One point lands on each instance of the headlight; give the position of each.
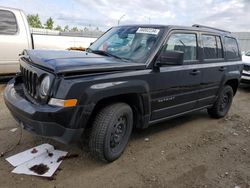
(45, 85)
(63, 103)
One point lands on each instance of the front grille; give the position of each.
(30, 81)
(247, 67)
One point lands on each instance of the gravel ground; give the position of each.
(190, 151)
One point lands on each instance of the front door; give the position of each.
(176, 87)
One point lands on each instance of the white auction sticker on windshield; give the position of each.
(151, 31)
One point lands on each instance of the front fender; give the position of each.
(96, 92)
(88, 95)
(99, 91)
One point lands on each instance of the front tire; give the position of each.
(111, 131)
(223, 103)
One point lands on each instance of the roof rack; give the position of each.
(203, 26)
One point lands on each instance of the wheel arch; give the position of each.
(234, 83)
(138, 102)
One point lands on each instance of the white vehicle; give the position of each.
(15, 36)
(246, 71)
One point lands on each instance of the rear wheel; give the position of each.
(223, 103)
(111, 131)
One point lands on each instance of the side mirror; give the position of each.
(170, 58)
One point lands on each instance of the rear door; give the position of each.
(214, 67)
(176, 87)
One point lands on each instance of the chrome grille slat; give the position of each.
(26, 78)
(35, 83)
(29, 80)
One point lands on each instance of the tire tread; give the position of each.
(213, 111)
(99, 129)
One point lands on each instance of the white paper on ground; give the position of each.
(50, 162)
(13, 130)
(25, 160)
(25, 156)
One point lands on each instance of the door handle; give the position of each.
(195, 72)
(222, 69)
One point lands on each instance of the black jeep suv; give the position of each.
(132, 76)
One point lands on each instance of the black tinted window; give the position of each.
(8, 23)
(232, 50)
(212, 47)
(186, 43)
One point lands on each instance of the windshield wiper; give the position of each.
(89, 50)
(101, 52)
(182, 43)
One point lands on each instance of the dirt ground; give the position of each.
(191, 151)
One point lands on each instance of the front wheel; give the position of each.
(223, 103)
(111, 131)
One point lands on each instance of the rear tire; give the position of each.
(223, 103)
(111, 130)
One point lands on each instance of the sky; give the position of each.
(232, 15)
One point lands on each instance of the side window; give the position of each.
(186, 42)
(232, 49)
(8, 24)
(212, 48)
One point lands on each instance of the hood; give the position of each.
(76, 61)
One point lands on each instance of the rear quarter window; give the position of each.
(8, 23)
(232, 50)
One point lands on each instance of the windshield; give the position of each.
(128, 42)
(248, 53)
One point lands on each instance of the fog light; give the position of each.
(63, 103)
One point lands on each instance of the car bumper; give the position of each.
(245, 76)
(40, 119)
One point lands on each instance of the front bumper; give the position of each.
(245, 76)
(43, 120)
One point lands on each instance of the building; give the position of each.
(244, 40)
